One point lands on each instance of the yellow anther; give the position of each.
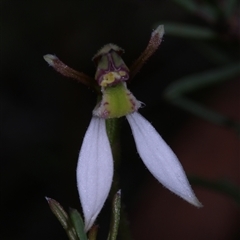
(109, 78)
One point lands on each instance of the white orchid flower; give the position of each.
(95, 162)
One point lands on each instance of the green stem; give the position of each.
(113, 131)
(112, 126)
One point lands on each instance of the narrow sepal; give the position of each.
(66, 71)
(94, 170)
(153, 44)
(160, 159)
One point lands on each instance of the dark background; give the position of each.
(44, 117)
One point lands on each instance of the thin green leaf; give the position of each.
(205, 113)
(62, 217)
(230, 7)
(203, 10)
(189, 31)
(212, 53)
(116, 209)
(175, 94)
(201, 80)
(188, 5)
(78, 224)
(222, 186)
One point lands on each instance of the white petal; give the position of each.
(94, 170)
(160, 159)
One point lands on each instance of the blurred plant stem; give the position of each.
(190, 31)
(176, 93)
(203, 9)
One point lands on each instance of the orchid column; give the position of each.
(95, 163)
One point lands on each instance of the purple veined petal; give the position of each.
(160, 159)
(94, 170)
